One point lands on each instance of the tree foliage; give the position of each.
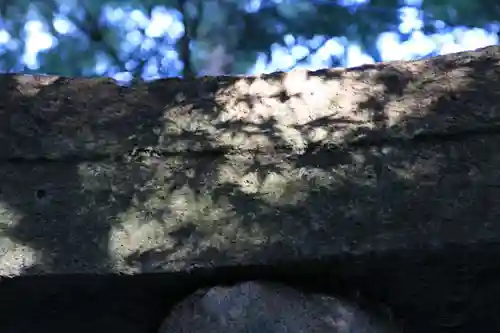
(209, 37)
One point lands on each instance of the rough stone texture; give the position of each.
(372, 171)
(254, 307)
(178, 174)
(177, 213)
(56, 117)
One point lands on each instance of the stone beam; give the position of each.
(172, 175)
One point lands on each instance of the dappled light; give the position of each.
(338, 172)
(140, 162)
(176, 175)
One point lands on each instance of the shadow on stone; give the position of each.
(455, 289)
(407, 166)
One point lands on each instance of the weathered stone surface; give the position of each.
(381, 161)
(56, 117)
(254, 307)
(168, 214)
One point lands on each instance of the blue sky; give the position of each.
(164, 22)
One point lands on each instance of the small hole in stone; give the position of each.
(40, 194)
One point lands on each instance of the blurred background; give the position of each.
(148, 39)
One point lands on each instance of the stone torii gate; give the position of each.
(116, 202)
